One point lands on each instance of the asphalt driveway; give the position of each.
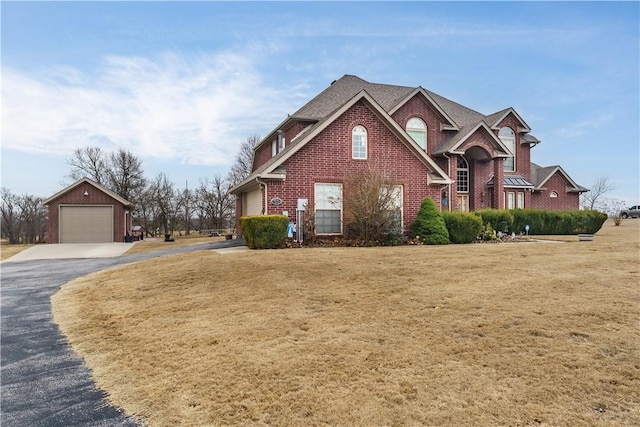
(43, 382)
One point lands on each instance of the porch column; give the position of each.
(453, 174)
(498, 183)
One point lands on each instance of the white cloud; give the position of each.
(190, 109)
(581, 128)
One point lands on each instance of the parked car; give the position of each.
(633, 212)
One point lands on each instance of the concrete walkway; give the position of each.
(43, 382)
(71, 250)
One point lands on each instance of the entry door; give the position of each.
(463, 203)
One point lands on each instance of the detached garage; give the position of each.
(87, 212)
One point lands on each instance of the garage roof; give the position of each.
(93, 183)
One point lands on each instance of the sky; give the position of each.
(182, 84)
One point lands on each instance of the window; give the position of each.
(274, 148)
(553, 195)
(391, 199)
(281, 141)
(520, 200)
(463, 175)
(511, 200)
(328, 199)
(359, 142)
(418, 131)
(508, 138)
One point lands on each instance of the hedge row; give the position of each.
(433, 227)
(543, 222)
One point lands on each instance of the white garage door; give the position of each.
(86, 224)
(253, 203)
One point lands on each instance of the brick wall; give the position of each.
(328, 158)
(95, 197)
(419, 107)
(564, 201)
(263, 154)
(523, 151)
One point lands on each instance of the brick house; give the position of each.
(429, 146)
(87, 212)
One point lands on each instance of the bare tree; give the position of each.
(371, 206)
(243, 165)
(10, 210)
(23, 218)
(90, 162)
(163, 198)
(125, 175)
(185, 208)
(593, 198)
(120, 171)
(215, 202)
(33, 215)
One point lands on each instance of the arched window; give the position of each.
(359, 142)
(553, 195)
(418, 131)
(463, 175)
(508, 138)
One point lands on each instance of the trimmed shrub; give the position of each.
(499, 219)
(463, 227)
(429, 225)
(591, 222)
(265, 231)
(557, 222)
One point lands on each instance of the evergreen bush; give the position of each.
(265, 231)
(429, 225)
(463, 227)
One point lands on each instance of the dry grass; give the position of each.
(150, 245)
(7, 250)
(487, 334)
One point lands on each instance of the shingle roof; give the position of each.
(540, 175)
(340, 91)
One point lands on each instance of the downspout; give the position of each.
(265, 209)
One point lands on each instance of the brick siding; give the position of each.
(564, 201)
(76, 197)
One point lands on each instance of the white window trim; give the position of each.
(365, 143)
(520, 200)
(398, 200)
(510, 142)
(510, 199)
(421, 128)
(338, 201)
(553, 194)
(465, 169)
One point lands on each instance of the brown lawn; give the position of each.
(7, 250)
(485, 334)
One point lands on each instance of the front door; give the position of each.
(463, 202)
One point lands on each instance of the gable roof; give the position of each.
(270, 168)
(494, 119)
(453, 143)
(94, 184)
(540, 175)
(390, 98)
